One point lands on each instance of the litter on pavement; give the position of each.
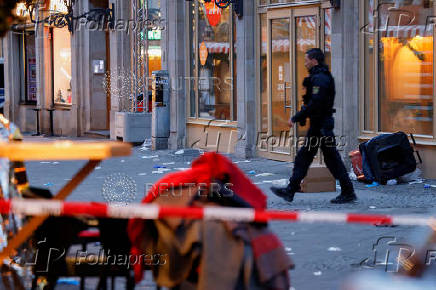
(160, 170)
(373, 184)
(392, 182)
(243, 161)
(149, 157)
(264, 174)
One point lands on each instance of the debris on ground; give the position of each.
(149, 157)
(264, 174)
(410, 177)
(392, 182)
(373, 184)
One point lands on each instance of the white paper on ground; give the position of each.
(264, 174)
(149, 157)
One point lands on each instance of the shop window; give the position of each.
(215, 64)
(328, 36)
(235, 71)
(27, 67)
(263, 73)
(214, 69)
(61, 66)
(192, 60)
(400, 44)
(405, 75)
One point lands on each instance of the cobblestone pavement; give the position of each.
(324, 254)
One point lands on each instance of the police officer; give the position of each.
(318, 107)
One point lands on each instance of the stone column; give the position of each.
(43, 77)
(78, 71)
(12, 77)
(173, 59)
(345, 69)
(120, 53)
(246, 87)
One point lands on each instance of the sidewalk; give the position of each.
(309, 245)
(142, 165)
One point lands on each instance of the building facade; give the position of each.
(73, 74)
(242, 75)
(50, 75)
(236, 80)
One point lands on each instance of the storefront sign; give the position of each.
(154, 35)
(98, 65)
(213, 13)
(58, 6)
(203, 53)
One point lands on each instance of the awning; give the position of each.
(218, 47)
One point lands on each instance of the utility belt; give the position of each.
(324, 114)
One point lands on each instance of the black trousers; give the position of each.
(320, 135)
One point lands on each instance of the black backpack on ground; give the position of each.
(388, 156)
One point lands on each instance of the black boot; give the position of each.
(287, 193)
(349, 198)
(347, 192)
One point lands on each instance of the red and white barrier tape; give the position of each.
(147, 211)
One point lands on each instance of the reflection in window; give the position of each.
(215, 80)
(192, 59)
(62, 66)
(328, 36)
(263, 74)
(27, 67)
(406, 67)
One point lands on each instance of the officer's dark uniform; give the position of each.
(318, 107)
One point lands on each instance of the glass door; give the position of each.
(280, 81)
(291, 32)
(306, 36)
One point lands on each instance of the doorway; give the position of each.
(290, 33)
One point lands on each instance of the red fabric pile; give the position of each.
(207, 169)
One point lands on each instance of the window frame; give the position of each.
(23, 67)
(193, 85)
(52, 72)
(367, 134)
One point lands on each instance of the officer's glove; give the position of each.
(303, 122)
(305, 99)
